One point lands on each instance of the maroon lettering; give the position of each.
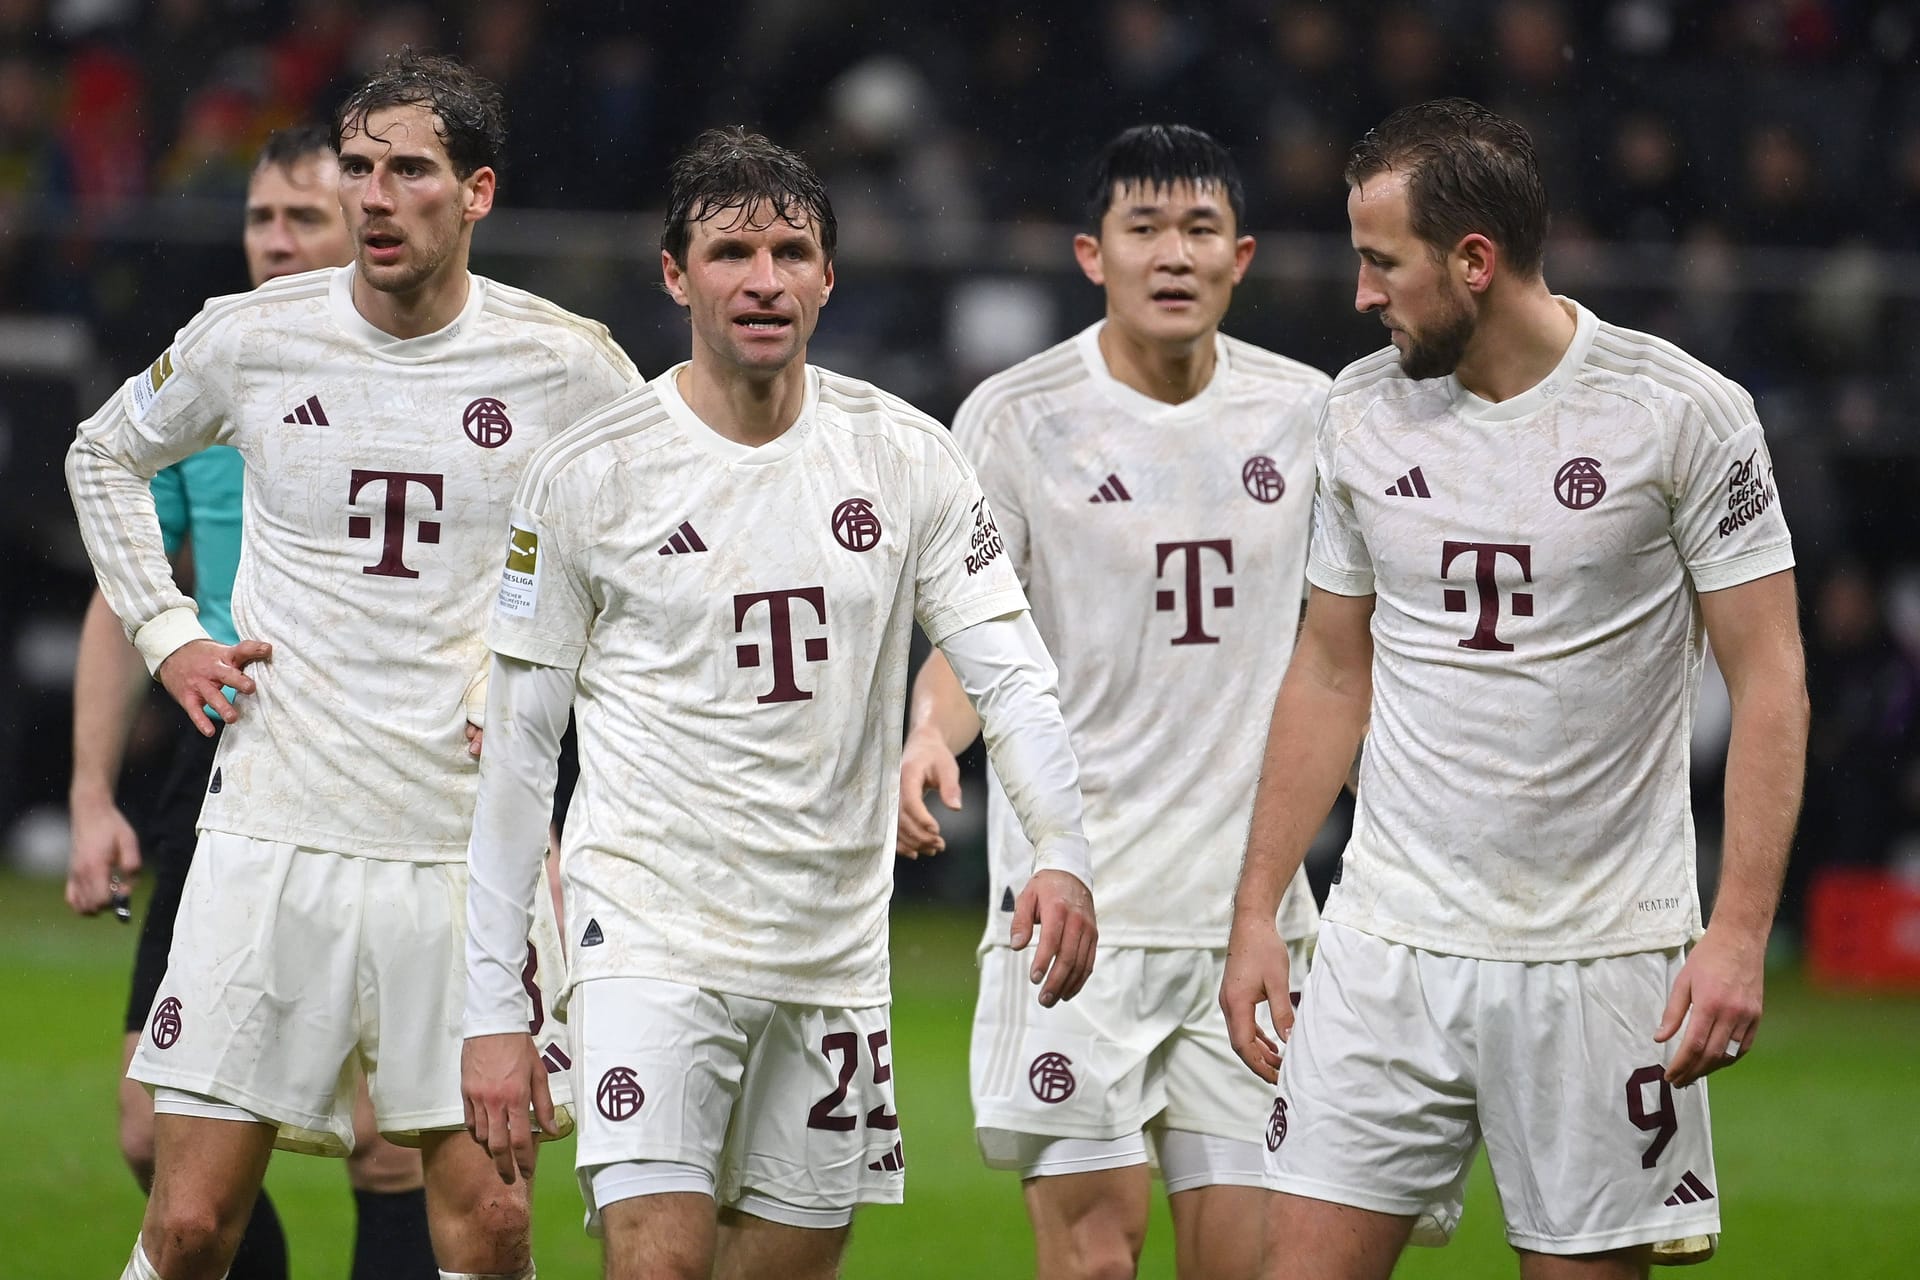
(1486, 559)
(1189, 596)
(780, 618)
(528, 973)
(847, 1045)
(1661, 1121)
(393, 529)
(880, 1117)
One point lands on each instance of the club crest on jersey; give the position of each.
(520, 579)
(986, 539)
(146, 388)
(1262, 479)
(485, 422)
(1578, 484)
(1749, 494)
(855, 526)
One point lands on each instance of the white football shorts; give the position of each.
(294, 968)
(1142, 1049)
(1403, 1061)
(787, 1108)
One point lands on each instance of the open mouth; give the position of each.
(1173, 295)
(382, 244)
(763, 323)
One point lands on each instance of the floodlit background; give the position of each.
(1739, 176)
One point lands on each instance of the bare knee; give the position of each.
(379, 1166)
(190, 1238)
(1097, 1235)
(479, 1223)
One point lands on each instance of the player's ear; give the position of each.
(672, 278)
(479, 186)
(1474, 260)
(1086, 251)
(826, 287)
(1242, 257)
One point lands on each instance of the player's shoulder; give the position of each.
(1028, 384)
(1273, 371)
(547, 321)
(1659, 373)
(858, 406)
(285, 299)
(1373, 381)
(624, 428)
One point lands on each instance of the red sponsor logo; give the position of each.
(393, 521)
(780, 622)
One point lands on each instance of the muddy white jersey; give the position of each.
(1163, 548)
(739, 619)
(1536, 566)
(379, 475)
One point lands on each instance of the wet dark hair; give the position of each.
(287, 147)
(730, 170)
(470, 114)
(1155, 156)
(1468, 170)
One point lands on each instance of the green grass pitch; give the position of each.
(1818, 1137)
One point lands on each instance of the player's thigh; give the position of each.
(209, 1161)
(1219, 1230)
(755, 1248)
(1084, 1068)
(258, 1004)
(375, 1164)
(659, 1071)
(414, 967)
(1314, 1239)
(1591, 1149)
(816, 1132)
(1375, 1107)
(1618, 1264)
(1089, 1217)
(478, 1223)
(663, 1236)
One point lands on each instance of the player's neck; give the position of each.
(749, 411)
(428, 308)
(1169, 373)
(1520, 339)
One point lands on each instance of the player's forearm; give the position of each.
(940, 706)
(1315, 732)
(1766, 766)
(1003, 668)
(122, 535)
(108, 679)
(526, 717)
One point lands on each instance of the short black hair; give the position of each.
(1469, 170)
(1156, 156)
(728, 170)
(287, 147)
(470, 114)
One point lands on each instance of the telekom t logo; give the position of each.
(1486, 560)
(1166, 601)
(393, 527)
(780, 615)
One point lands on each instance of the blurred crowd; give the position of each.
(1742, 176)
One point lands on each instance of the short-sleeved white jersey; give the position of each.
(1537, 639)
(739, 619)
(379, 475)
(1163, 547)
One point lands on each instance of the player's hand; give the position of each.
(1715, 1005)
(476, 737)
(105, 854)
(925, 764)
(1062, 909)
(195, 673)
(502, 1080)
(1257, 974)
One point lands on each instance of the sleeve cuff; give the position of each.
(1068, 853)
(157, 640)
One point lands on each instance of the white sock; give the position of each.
(138, 1266)
(466, 1275)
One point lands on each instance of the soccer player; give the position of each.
(1528, 522)
(384, 412)
(293, 223)
(724, 568)
(1152, 479)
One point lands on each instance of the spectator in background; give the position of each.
(1645, 195)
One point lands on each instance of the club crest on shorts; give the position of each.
(1277, 1125)
(165, 1026)
(1051, 1077)
(619, 1096)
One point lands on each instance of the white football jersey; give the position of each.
(740, 620)
(379, 474)
(1163, 547)
(1537, 639)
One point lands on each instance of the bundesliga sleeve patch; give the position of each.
(146, 387)
(520, 580)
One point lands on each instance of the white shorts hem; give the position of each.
(1371, 1201)
(310, 1134)
(791, 1215)
(1215, 1178)
(1620, 1238)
